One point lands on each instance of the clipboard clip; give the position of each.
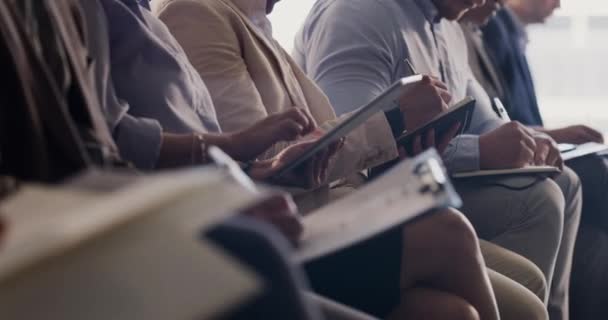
(432, 176)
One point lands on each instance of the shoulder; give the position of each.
(354, 19)
(196, 19)
(353, 11)
(201, 11)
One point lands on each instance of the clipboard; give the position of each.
(407, 191)
(386, 101)
(461, 112)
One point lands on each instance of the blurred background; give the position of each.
(568, 55)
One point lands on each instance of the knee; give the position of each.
(534, 280)
(460, 310)
(448, 231)
(570, 184)
(546, 203)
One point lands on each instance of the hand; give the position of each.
(576, 135)
(251, 142)
(547, 153)
(510, 146)
(427, 99)
(311, 174)
(281, 212)
(429, 142)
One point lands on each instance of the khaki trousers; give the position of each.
(536, 218)
(518, 284)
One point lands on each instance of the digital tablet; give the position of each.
(386, 101)
(461, 112)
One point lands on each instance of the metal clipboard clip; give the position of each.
(432, 176)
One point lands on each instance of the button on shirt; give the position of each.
(156, 88)
(355, 49)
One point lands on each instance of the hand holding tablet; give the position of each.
(387, 101)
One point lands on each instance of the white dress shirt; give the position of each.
(355, 49)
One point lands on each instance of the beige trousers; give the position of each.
(537, 219)
(518, 284)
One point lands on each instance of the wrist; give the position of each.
(224, 142)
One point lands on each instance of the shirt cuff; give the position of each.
(139, 141)
(462, 154)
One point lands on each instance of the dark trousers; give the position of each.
(593, 172)
(589, 282)
(365, 276)
(259, 247)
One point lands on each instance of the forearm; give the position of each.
(180, 150)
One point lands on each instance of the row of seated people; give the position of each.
(195, 73)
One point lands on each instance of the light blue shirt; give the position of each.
(355, 49)
(149, 86)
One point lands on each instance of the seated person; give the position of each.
(504, 73)
(231, 58)
(457, 295)
(353, 48)
(504, 40)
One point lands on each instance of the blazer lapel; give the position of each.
(278, 56)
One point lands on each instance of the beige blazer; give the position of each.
(250, 76)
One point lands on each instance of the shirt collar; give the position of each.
(255, 10)
(520, 29)
(430, 11)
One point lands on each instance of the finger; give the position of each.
(438, 83)
(594, 135)
(560, 163)
(299, 115)
(444, 141)
(290, 130)
(540, 156)
(529, 142)
(555, 156)
(527, 156)
(446, 96)
(312, 124)
(417, 145)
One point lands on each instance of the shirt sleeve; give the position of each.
(349, 58)
(138, 139)
(463, 153)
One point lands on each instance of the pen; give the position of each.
(410, 66)
(499, 108)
